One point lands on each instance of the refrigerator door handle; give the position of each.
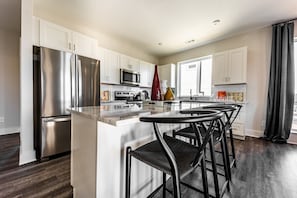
(57, 119)
(73, 82)
(79, 82)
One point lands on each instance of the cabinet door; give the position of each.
(146, 74)
(110, 71)
(167, 72)
(151, 71)
(129, 63)
(55, 37)
(84, 45)
(219, 68)
(237, 65)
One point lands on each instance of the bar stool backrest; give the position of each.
(193, 121)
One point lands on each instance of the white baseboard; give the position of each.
(10, 130)
(254, 133)
(27, 156)
(293, 138)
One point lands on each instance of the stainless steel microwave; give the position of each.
(129, 77)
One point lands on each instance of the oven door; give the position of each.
(130, 77)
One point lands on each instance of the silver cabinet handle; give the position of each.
(57, 119)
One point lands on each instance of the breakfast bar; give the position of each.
(99, 137)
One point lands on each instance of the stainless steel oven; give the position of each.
(129, 77)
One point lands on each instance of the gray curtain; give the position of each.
(280, 102)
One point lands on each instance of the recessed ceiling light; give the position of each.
(216, 22)
(190, 41)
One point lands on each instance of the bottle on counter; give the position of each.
(156, 89)
(169, 95)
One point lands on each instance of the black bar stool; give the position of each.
(231, 112)
(218, 136)
(172, 156)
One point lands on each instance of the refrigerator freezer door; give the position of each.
(87, 81)
(55, 136)
(55, 82)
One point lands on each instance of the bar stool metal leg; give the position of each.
(232, 147)
(128, 171)
(227, 154)
(214, 167)
(204, 177)
(226, 169)
(164, 185)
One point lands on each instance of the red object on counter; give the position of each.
(222, 94)
(156, 89)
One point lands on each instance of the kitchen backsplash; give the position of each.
(233, 92)
(104, 89)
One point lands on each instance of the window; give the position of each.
(195, 77)
(294, 123)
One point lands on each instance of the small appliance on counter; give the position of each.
(130, 97)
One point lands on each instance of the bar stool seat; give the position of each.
(172, 156)
(153, 155)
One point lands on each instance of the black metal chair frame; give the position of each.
(228, 125)
(212, 118)
(222, 139)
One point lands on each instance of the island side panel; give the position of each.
(83, 155)
(108, 160)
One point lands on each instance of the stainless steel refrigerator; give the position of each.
(61, 80)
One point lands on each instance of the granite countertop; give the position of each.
(120, 114)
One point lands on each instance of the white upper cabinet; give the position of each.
(55, 37)
(129, 63)
(84, 45)
(229, 67)
(146, 74)
(60, 38)
(109, 66)
(167, 72)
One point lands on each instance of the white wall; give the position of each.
(9, 82)
(27, 153)
(259, 48)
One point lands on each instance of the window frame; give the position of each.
(179, 65)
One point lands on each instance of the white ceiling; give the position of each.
(10, 15)
(145, 23)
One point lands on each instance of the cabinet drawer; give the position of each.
(238, 129)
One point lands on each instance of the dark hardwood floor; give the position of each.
(264, 170)
(9, 151)
(46, 179)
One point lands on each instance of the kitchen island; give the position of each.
(99, 137)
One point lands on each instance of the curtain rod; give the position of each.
(289, 21)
